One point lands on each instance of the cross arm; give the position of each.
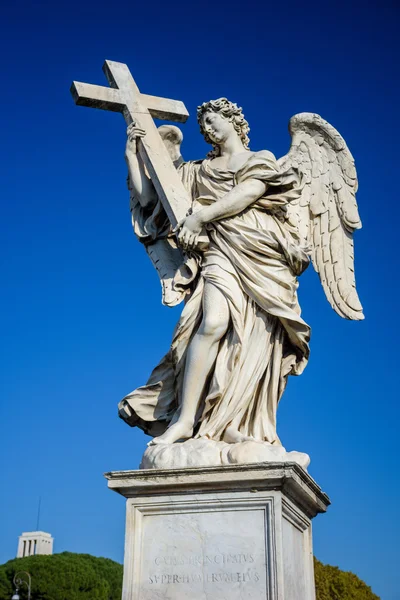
(110, 98)
(97, 96)
(166, 109)
(124, 96)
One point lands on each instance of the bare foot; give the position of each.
(177, 431)
(233, 436)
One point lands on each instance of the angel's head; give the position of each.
(218, 119)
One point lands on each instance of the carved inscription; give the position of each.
(232, 576)
(207, 578)
(198, 560)
(216, 555)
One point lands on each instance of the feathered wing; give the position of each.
(326, 214)
(164, 252)
(172, 137)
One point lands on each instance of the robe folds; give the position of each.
(254, 259)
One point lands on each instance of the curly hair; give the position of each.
(230, 111)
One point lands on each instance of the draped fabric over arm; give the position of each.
(151, 225)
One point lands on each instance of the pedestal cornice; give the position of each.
(289, 478)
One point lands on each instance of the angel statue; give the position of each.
(255, 222)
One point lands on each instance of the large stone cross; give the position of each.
(124, 96)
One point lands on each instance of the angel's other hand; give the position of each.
(134, 133)
(188, 231)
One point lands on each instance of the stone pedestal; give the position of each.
(239, 532)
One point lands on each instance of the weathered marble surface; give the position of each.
(203, 452)
(219, 533)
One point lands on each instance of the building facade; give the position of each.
(34, 542)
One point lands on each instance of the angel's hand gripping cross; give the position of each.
(124, 96)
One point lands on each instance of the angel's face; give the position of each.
(217, 127)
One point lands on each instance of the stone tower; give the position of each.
(34, 542)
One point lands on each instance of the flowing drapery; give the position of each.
(254, 259)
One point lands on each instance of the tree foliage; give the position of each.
(65, 576)
(69, 576)
(333, 584)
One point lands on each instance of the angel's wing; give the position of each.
(326, 214)
(164, 252)
(172, 137)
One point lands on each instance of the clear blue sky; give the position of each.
(81, 318)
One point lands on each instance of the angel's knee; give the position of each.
(214, 327)
(216, 319)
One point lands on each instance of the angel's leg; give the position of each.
(200, 359)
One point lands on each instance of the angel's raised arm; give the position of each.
(149, 219)
(139, 182)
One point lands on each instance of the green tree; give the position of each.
(333, 584)
(65, 576)
(69, 576)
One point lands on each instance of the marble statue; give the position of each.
(241, 334)
(250, 227)
(218, 508)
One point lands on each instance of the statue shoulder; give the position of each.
(265, 154)
(261, 158)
